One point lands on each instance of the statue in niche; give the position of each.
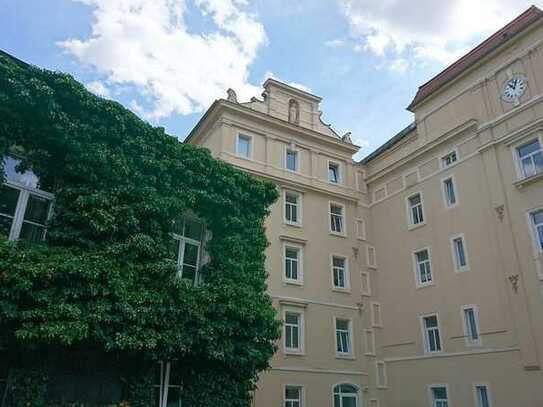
(293, 112)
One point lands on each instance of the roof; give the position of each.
(390, 143)
(471, 58)
(292, 89)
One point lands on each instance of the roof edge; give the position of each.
(389, 144)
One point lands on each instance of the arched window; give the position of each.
(345, 395)
(293, 112)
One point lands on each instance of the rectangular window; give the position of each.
(369, 336)
(482, 395)
(381, 374)
(471, 326)
(371, 257)
(333, 172)
(340, 277)
(376, 319)
(293, 332)
(293, 208)
(366, 285)
(416, 213)
(188, 234)
(291, 160)
(530, 158)
(449, 159)
(167, 385)
(537, 221)
(449, 192)
(360, 229)
(293, 263)
(243, 147)
(439, 396)
(336, 219)
(432, 338)
(459, 254)
(293, 396)
(343, 337)
(423, 267)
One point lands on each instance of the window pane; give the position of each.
(336, 210)
(5, 225)
(460, 254)
(414, 200)
(538, 217)
(292, 160)
(528, 148)
(291, 253)
(32, 232)
(28, 178)
(8, 200)
(37, 209)
(174, 397)
(342, 324)
(291, 318)
(430, 322)
(349, 401)
(482, 396)
(190, 256)
(333, 173)
(338, 262)
(244, 146)
(439, 392)
(193, 229)
(292, 393)
(538, 162)
(422, 256)
(291, 198)
(337, 400)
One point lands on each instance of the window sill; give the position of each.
(421, 286)
(343, 235)
(371, 355)
(462, 270)
(521, 183)
(293, 353)
(345, 357)
(418, 225)
(297, 283)
(341, 290)
(292, 224)
(372, 266)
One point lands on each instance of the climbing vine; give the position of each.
(105, 278)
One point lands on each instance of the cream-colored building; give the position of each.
(413, 277)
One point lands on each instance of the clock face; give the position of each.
(514, 88)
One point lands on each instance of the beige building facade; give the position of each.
(415, 276)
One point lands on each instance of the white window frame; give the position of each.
(455, 258)
(411, 224)
(448, 204)
(301, 331)
(164, 386)
(418, 282)
(516, 157)
(426, 337)
(299, 248)
(290, 149)
(357, 394)
(369, 342)
(299, 204)
(431, 395)
(181, 241)
(347, 276)
(343, 232)
(360, 226)
(344, 355)
(339, 174)
(476, 393)
(250, 138)
(301, 393)
(365, 284)
(384, 384)
(374, 403)
(444, 156)
(469, 341)
(370, 264)
(533, 230)
(376, 322)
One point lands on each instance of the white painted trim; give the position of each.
(343, 233)
(347, 288)
(292, 149)
(410, 224)
(300, 248)
(302, 393)
(299, 196)
(425, 343)
(451, 354)
(358, 393)
(537, 249)
(468, 341)
(444, 192)
(431, 396)
(339, 166)
(301, 334)
(527, 138)
(250, 137)
(343, 355)
(324, 371)
(488, 392)
(457, 267)
(443, 155)
(368, 263)
(418, 283)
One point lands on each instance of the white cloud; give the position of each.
(426, 29)
(296, 85)
(399, 65)
(147, 44)
(335, 43)
(98, 88)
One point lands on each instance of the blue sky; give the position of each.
(169, 59)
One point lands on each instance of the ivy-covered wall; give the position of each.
(105, 278)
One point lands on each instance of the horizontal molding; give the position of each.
(392, 345)
(449, 355)
(322, 371)
(306, 301)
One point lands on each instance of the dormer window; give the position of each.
(293, 112)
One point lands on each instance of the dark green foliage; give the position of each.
(105, 277)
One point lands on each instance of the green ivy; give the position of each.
(105, 277)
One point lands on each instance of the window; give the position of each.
(293, 332)
(366, 285)
(167, 387)
(471, 325)
(336, 219)
(369, 336)
(530, 158)
(439, 396)
(243, 148)
(459, 254)
(537, 221)
(343, 337)
(376, 319)
(293, 206)
(291, 160)
(340, 276)
(381, 374)
(293, 396)
(432, 339)
(449, 192)
(293, 264)
(482, 395)
(416, 213)
(371, 257)
(449, 159)
(188, 234)
(345, 395)
(24, 209)
(423, 267)
(333, 173)
(360, 229)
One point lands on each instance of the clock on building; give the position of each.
(514, 88)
